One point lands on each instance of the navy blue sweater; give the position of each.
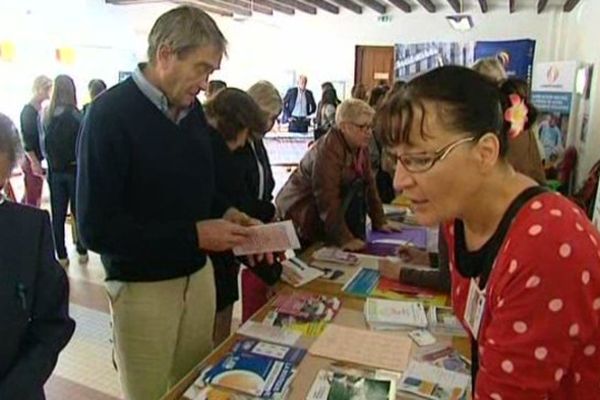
(142, 184)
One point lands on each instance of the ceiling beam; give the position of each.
(428, 5)
(209, 9)
(251, 6)
(484, 6)
(245, 11)
(401, 4)
(511, 6)
(350, 5)
(541, 5)
(455, 4)
(375, 6)
(299, 5)
(322, 4)
(570, 5)
(276, 6)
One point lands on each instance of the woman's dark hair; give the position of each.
(63, 95)
(377, 94)
(233, 110)
(467, 102)
(359, 91)
(329, 97)
(325, 86)
(96, 87)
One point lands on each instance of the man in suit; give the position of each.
(34, 291)
(298, 105)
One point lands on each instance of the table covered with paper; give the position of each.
(318, 339)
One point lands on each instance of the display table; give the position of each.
(350, 315)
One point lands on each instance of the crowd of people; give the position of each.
(164, 187)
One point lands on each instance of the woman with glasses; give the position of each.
(333, 188)
(524, 262)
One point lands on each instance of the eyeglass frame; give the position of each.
(438, 155)
(363, 127)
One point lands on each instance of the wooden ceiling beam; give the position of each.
(428, 5)
(570, 5)
(299, 5)
(402, 4)
(484, 6)
(375, 6)
(541, 5)
(455, 4)
(323, 5)
(209, 9)
(276, 6)
(245, 11)
(350, 5)
(250, 5)
(511, 6)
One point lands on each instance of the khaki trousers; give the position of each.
(161, 330)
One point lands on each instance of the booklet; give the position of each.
(297, 273)
(251, 374)
(362, 283)
(289, 354)
(389, 314)
(268, 332)
(308, 307)
(335, 255)
(434, 383)
(336, 385)
(443, 321)
(388, 243)
(275, 237)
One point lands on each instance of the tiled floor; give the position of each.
(85, 370)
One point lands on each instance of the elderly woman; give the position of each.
(329, 194)
(533, 316)
(34, 292)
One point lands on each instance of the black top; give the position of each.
(143, 182)
(478, 263)
(30, 130)
(34, 303)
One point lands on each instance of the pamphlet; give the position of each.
(276, 351)
(443, 321)
(297, 273)
(335, 255)
(269, 238)
(335, 385)
(362, 283)
(269, 333)
(434, 383)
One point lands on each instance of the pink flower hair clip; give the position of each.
(516, 114)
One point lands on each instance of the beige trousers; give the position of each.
(161, 330)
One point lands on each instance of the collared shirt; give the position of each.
(261, 173)
(155, 95)
(300, 108)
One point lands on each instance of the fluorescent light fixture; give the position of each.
(461, 23)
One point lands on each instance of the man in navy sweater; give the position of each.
(147, 204)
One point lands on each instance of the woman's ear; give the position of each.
(487, 151)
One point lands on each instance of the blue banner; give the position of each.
(552, 102)
(515, 55)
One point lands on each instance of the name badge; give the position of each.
(474, 309)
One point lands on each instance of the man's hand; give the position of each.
(237, 217)
(411, 255)
(220, 235)
(354, 245)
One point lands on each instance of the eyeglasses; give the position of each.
(424, 161)
(363, 127)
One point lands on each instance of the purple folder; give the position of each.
(417, 236)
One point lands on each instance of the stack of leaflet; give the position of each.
(307, 313)
(340, 385)
(297, 273)
(393, 315)
(255, 368)
(443, 321)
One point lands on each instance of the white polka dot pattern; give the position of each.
(532, 282)
(536, 205)
(564, 250)
(556, 212)
(512, 267)
(535, 230)
(589, 350)
(574, 330)
(495, 396)
(585, 277)
(555, 305)
(541, 353)
(520, 327)
(558, 375)
(507, 366)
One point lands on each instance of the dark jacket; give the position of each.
(313, 195)
(30, 130)
(289, 101)
(34, 302)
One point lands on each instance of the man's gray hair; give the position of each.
(184, 28)
(10, 142)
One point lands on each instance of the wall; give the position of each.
(579, 41)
